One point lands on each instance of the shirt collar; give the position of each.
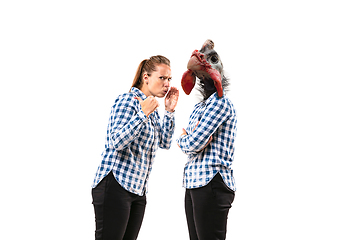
(214, 97)
(138, 93)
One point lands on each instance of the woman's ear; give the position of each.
(145, 78)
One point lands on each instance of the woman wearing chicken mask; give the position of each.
(134, 134)
(209, 143)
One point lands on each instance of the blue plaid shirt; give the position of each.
(217, 118)
(132, 141)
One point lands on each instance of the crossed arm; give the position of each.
(213, 115)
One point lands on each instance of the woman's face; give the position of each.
(158, 83)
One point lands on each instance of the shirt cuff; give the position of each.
(169, 114)
(142, 116)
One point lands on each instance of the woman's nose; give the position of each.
(167, 83)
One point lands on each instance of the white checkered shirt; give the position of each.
(217, 118)
(132, 141)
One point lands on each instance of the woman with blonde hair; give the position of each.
(134, 134)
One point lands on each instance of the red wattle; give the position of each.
(215, 75)
(188, 81)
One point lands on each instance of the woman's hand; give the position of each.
(182, 134)
(171, 99)
(149, 105)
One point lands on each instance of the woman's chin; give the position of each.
(161, 95)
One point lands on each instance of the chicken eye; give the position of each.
(214, 59)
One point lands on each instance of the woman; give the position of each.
(209, 143)
(208, 178)
(134, 134)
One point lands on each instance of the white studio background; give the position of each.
(62, 64)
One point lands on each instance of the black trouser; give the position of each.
(207, 209)
(118, 213)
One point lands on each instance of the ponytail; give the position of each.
(137, 82)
